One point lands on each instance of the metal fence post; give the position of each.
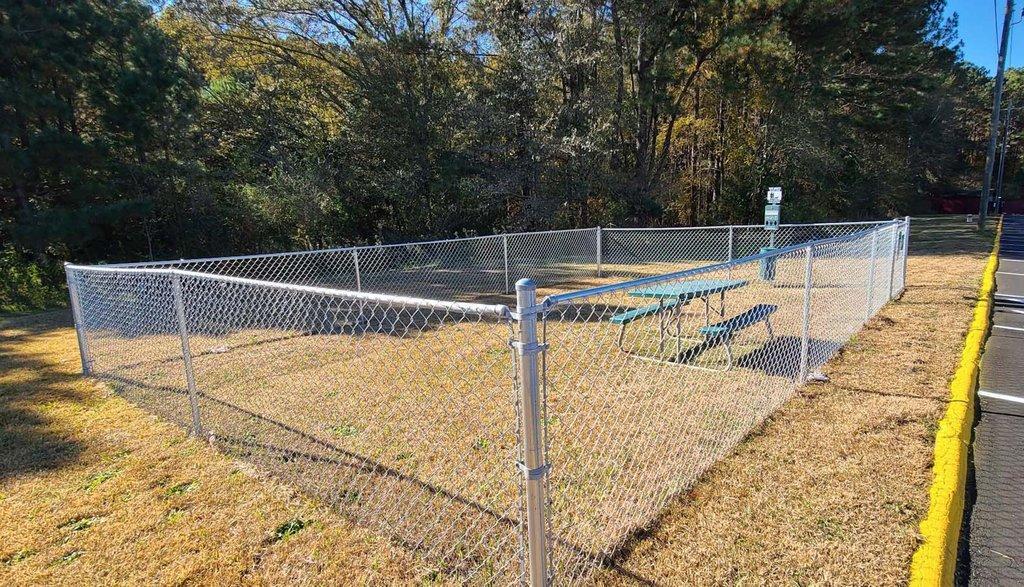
(906, 251)
(805, 338)
(186, 354)
(355, 263)
(508, 277)
(76, 314)
(533, 465)
(893, 254)
(730, 244)
(599, 239)
(871, 278)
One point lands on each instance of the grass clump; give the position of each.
(344, 430)
(69, 557)
(97, 479)
(290, 528)
(79, 524)
(181, 488)
(18, 556)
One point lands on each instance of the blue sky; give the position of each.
(978, 30)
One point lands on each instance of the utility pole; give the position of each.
(997, 99)
(1002, 155)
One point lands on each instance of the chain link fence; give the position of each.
(652, 381)
(504, 441)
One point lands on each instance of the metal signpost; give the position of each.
(772, 211)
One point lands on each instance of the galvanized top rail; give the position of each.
(343, 249)
(724, 226)
(556, 299)
(153, 264)
(498, 310)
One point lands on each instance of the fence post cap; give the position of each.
(525, 284)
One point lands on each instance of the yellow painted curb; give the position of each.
(935, 560)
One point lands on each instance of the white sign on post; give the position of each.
(772, 211)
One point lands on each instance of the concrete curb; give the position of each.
(934, 561)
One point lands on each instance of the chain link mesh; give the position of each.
(401, 413)
(636, 252)
(651, 382)
(405, 413)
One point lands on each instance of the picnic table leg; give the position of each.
(679, 328)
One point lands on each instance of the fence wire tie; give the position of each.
(533, 474)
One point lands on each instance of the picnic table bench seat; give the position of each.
(721, 332)
(740, 321)
(624, 318)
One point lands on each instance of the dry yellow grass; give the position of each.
(829, 491)
(407, 424)
(96, 491)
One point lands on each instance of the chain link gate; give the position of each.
(503, 443)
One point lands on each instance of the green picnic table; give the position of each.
(676, 295)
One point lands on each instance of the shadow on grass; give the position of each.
(30, 440)
(950, 235)
(323, 468)
(365, 489)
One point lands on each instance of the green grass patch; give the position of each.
(182, 488)
(174, 515)
(19, 556)
(79, 524)
(97, 479)
(344, 430)
(69, 557)
(290, 528)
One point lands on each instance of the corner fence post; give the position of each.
(893, 253)
(533, 466)
(871, 277)
(76, 314)
(186, 354)
(508, 276)
(906, 251)
(599, 239)
(805, 338)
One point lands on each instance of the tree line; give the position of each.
(134, 130)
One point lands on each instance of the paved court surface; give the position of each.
(993, 533)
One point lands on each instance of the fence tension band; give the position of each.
(533, 474)
(528, 348)
(529, 311)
